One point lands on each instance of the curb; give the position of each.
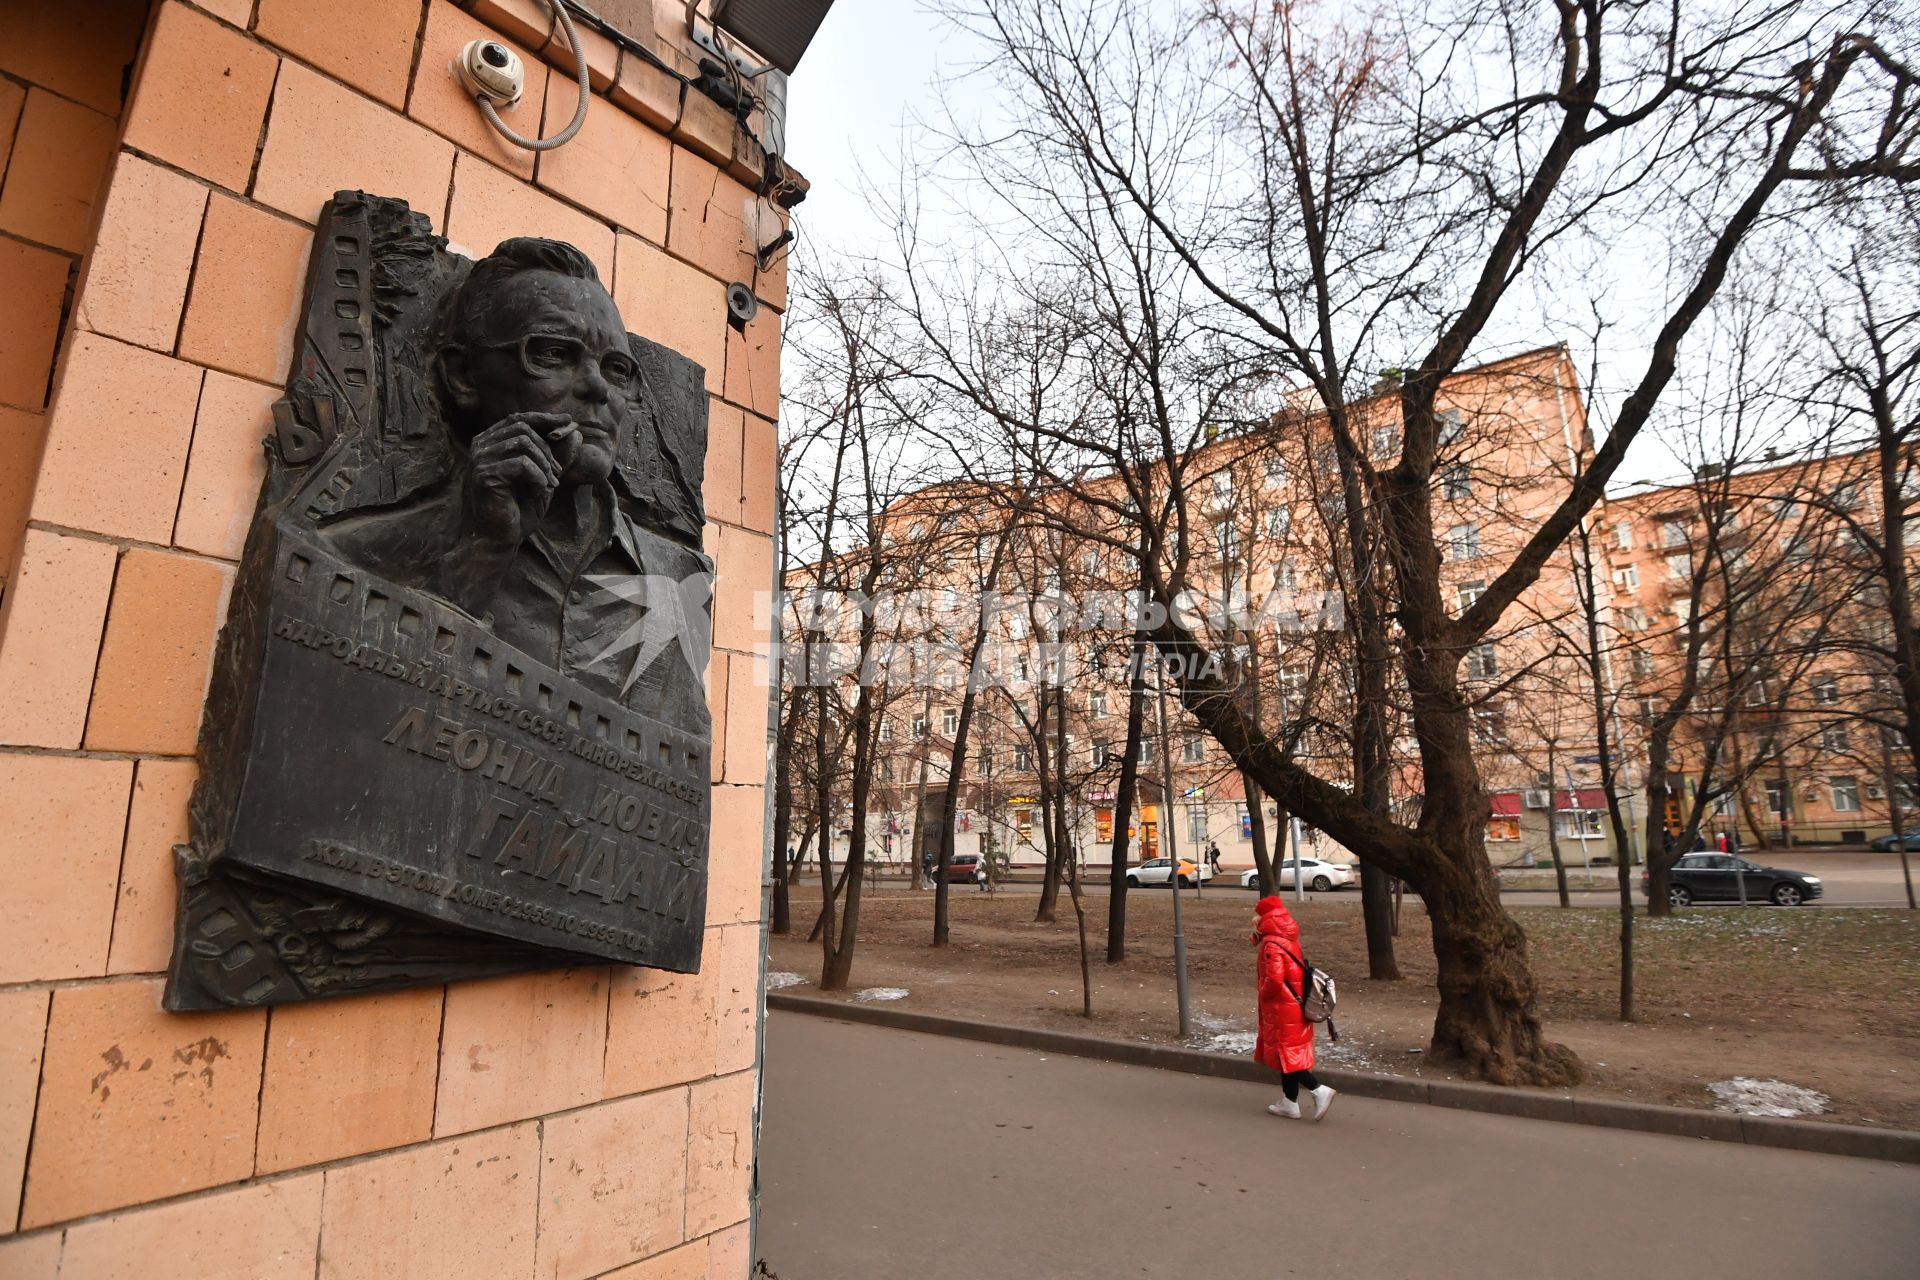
(1898, 1145)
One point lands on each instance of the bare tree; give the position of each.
(1631, 114)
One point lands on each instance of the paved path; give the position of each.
(891, 1154)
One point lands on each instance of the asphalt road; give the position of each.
(888, 1153)
(1849, 878)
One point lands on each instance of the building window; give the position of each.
(1627, 578)
(1196, 827)
(1777, 796)
(919, 726)
(1673, 533)
(1488, 726)
(1457, 483)
(1482, 664)
(1097, 704)
(1578, 824)
(1463, 541)
(1633, 618)
(1649, 710)
(1222, 481)
(1453, 425)
(1146, 751)
(1103, 825)
(1017, 625)
(1826, 689)
(1503, 827)
(1386, 443)
(1642, 662)
(1246, 823)
(1022, 759)
(1679, 566)
(1276, 468)
(949, 722)
(1100, 748)
(1279, 521)
(1192, 749)
(1846, 794)
(1470, 593)
(886, 730)
(1226, 536)
(1846, 496)
(1284, 578)
(1834, 738)
(1293, 688)
(1023, 823)
(1623, 536)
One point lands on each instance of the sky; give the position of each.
(872, 64)
(875, 65)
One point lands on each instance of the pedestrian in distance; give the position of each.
(1285, 1040)
(1213, 856)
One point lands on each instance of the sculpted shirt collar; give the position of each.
(624, 536)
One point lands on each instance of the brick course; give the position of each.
(402, 1133)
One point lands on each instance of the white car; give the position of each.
(1320, 876)
(1160, 871)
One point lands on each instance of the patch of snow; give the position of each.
(1218, 1034)
(881, 993)
(777, 979)
(1746, 1096)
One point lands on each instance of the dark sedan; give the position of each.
(1723, 877)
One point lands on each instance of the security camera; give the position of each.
(488, 69)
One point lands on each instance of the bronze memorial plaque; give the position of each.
(458, 723)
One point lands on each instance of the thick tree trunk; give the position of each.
(1046, 758)
(1660, 858)
(920, 794)
(1487, 1025)
(838, 966)
(1257, 827)
(1123, 801)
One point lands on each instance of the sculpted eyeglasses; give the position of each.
(554, 355)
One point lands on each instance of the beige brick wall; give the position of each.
(573, 1124)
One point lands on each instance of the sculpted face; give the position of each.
(551, 343)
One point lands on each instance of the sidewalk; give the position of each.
(888, 1153)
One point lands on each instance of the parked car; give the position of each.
(1160, 871)
(1715, 877)
(966, 868)
(1890, 842)
(1320, 876)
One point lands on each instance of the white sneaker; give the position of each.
(1284, 1109)
(1322, 1100)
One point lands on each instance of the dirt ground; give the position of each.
(1825, 1000)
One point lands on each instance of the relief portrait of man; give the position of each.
(534, 530)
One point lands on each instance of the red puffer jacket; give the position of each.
(1286, 1037)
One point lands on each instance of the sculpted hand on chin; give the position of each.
(514, 473)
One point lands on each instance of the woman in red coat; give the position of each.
(1285, 1042)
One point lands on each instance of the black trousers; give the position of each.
(1290, 1082)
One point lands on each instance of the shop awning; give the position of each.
(1583, 798)
(1506, 804)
